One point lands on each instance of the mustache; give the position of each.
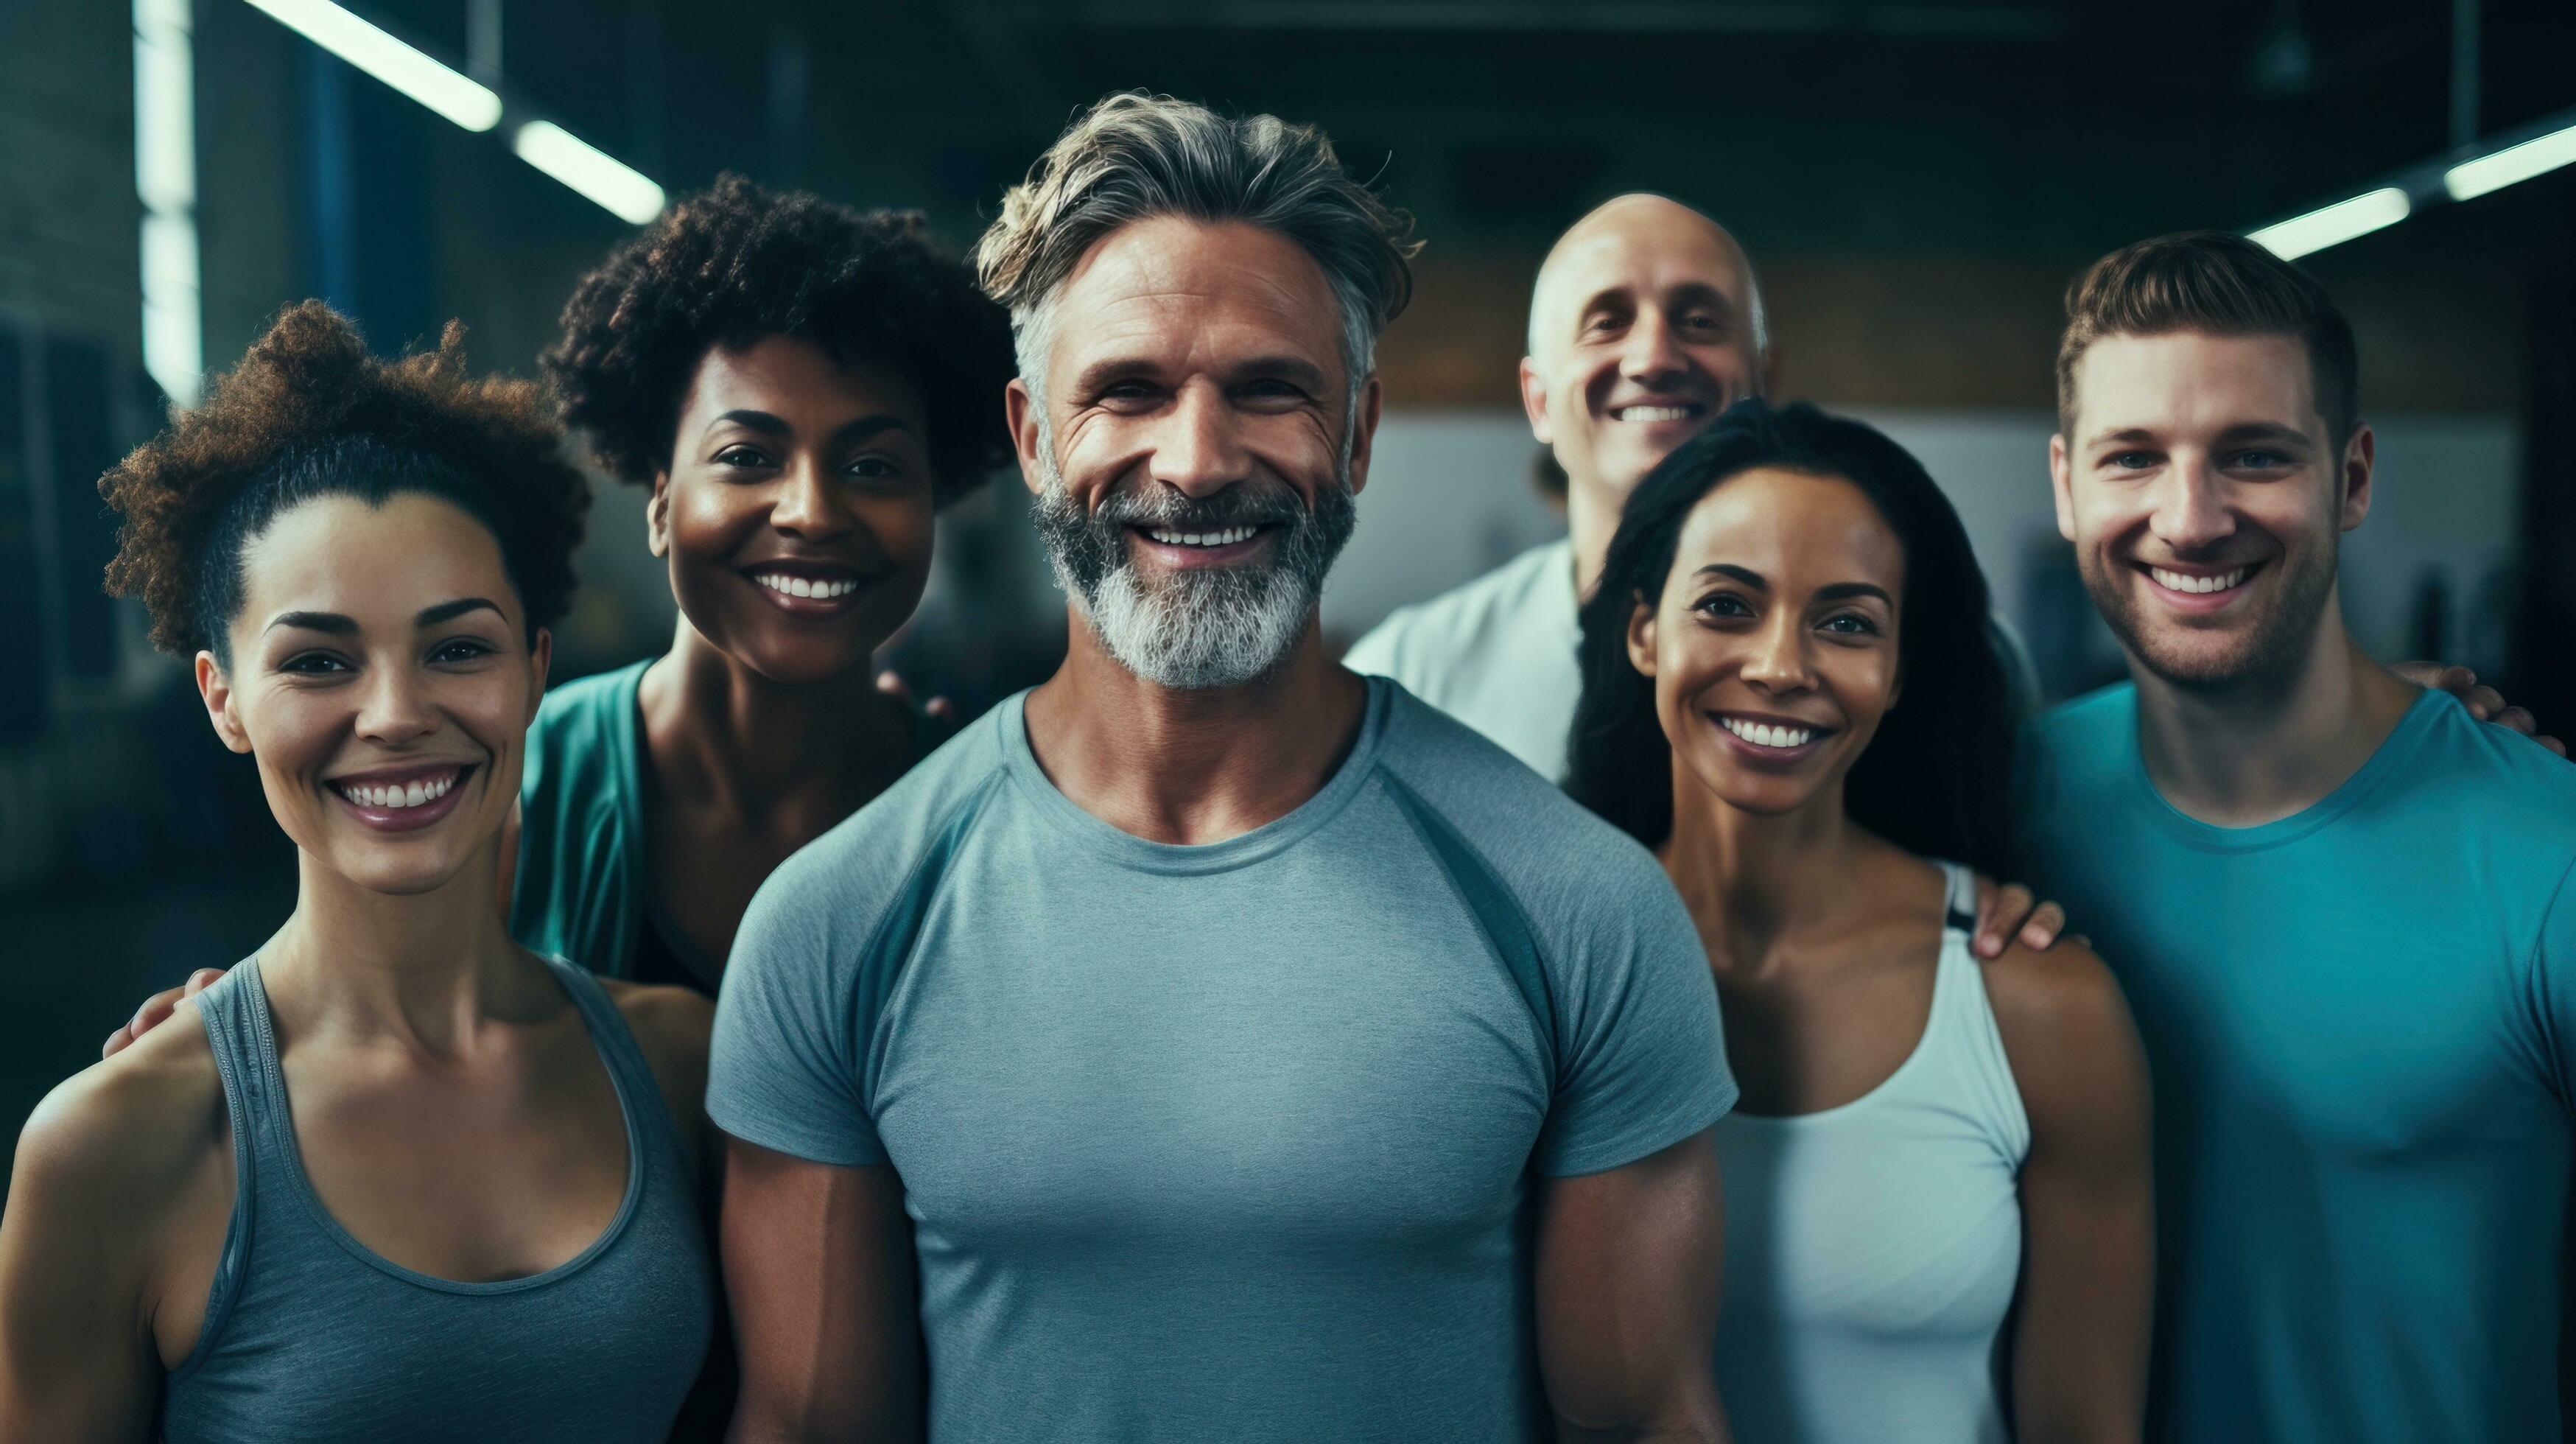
(1243, 504)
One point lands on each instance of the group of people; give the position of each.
(1583, 1010)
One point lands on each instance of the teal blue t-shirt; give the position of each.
(1233, 1141)
(2361, 1021)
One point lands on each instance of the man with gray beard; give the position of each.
(1210, 1043)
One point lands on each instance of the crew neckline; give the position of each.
(2401, 742)
(1124, 848)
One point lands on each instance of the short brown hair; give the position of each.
(1136, 156)
(309, 413)
(2218, 284)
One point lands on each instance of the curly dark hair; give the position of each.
(308, 413)
(1937, 779)
(736, 263)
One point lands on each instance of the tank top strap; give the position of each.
(234, 1010)
(624, 1058)
(1963, 1029)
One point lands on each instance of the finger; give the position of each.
(2516, 719)
(2552, 743)
(894, 686)
(2484, 703)
(2080, 940)
(200, 980)
(1998, 915)
(2040, 933)
(117, 1042)
(940, 708)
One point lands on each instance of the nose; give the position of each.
(1652, 354)
(1197, 450)
(809, 503)
(393, 705)
(1778, 661)
(2189, 507)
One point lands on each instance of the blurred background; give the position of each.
(1917, 180)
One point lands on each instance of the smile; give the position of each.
(1230, 536)
(795, 586)
(2183, 582)
(1775, 737)
(402, 799)
(413, 792)
(1650, 414)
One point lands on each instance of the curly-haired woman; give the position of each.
(1792, 694)
(394, 1176)
(799, 387)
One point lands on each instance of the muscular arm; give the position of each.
(108, 1166)
(1627, 1298)
(819, 1271)
(2087, 1199)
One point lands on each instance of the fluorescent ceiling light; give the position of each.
(615, 185)
(2333, 225)
(434, 85)
(2513, 163)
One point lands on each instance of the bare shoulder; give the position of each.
(2067, 1031)
(123, 1138)
(670, 1023)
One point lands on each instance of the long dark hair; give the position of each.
(1937, 779)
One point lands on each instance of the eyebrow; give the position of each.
(2242, 431)
(340, 626)
(1834, 592)
(1102, 374)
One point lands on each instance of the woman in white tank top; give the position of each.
(1938, 1215)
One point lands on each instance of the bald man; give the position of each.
(1645, 323)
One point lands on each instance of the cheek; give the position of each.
(903, 526)
(710, 521)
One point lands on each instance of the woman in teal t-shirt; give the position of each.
(800, 386)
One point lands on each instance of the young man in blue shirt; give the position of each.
(2344, 910)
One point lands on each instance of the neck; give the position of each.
(1591, 519)
(425, 968)
(1751, 881)
(1192, 766)
(2266, 747)
(718, 728)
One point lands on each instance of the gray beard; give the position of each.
(1199, 629)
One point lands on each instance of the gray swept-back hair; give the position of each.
(1135, 156)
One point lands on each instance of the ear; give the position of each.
(1534, 402)
(657, 515)
(1641, 637)
(1766, 376)
(2360, 455)
(217, 690)
(541, 658)
(2061, 481)
(1020, 410)
(1364, 432)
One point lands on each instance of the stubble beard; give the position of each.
(2274, 645)
(1199, 628)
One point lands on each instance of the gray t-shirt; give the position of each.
(1229, 1141)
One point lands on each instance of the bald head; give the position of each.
(1625, 229)
(1644, 325)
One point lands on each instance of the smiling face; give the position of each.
(1641, 332)
(1197, 454)
(797, 511)
(2206, 498)
(381, 678)
(1774, 646)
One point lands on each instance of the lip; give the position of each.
(818, 573)
(1184, 558)
(2200, 603)
(403, 819)
(1693, 413)
(1770, 756)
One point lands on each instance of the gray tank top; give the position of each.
(311, 1335)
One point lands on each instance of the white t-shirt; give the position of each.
(1497, 653)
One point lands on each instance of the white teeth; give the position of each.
(1225, 538)
(2179, 582)
(400, 794)
(1763, 734)
(805, 586)
(1652, 413)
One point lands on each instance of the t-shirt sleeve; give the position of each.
(785, 1066)
(2553, 987)
(1641, 1059)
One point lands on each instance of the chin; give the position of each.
(399, 877)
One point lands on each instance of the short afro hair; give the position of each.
(737, 263)
(309, 413)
